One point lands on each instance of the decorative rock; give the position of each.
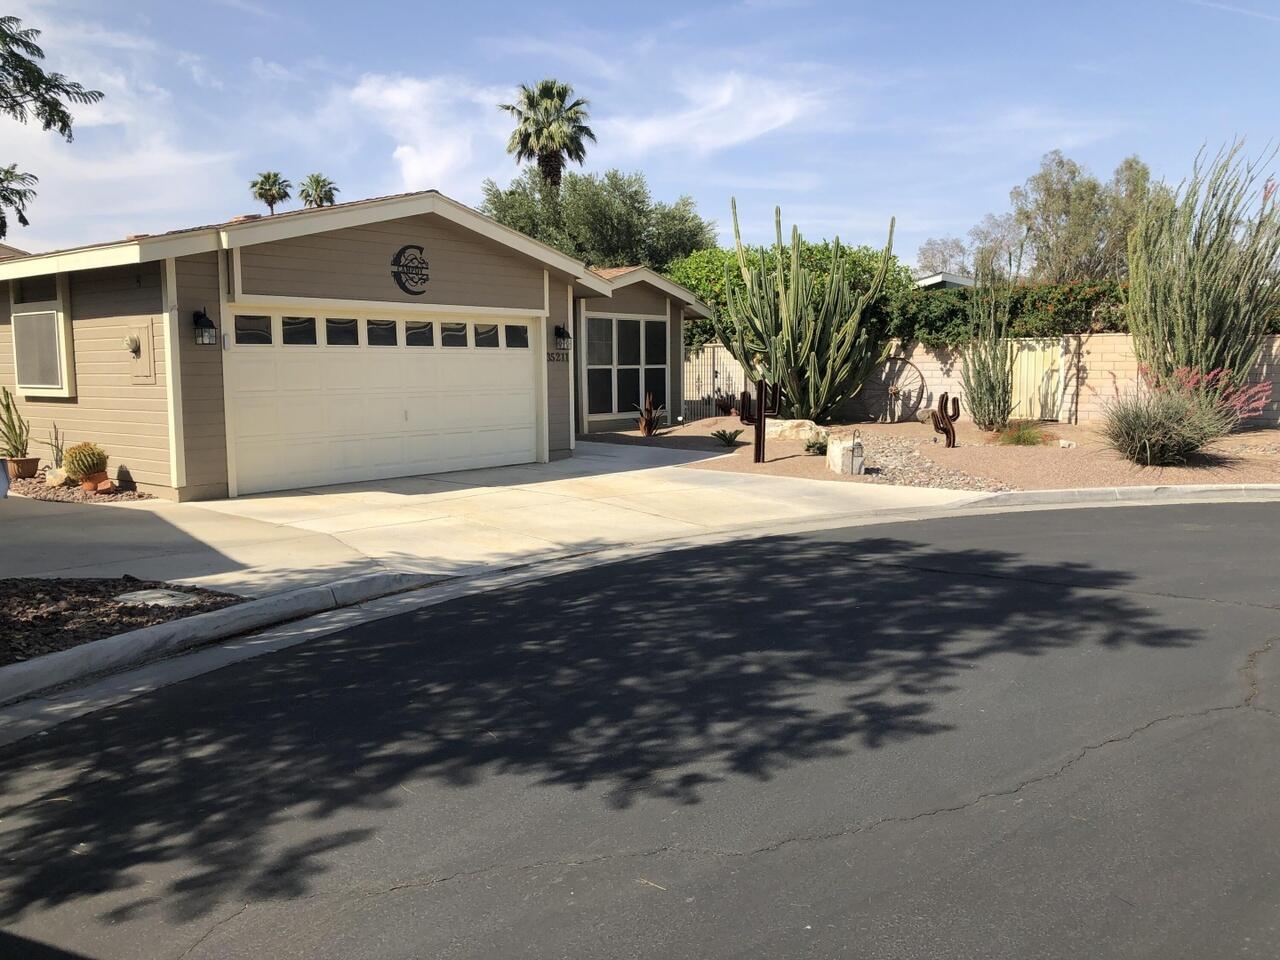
(55, 477)
(159, 598)
(1066, 444)
(840, 458)
(805, 430)
(106, 486)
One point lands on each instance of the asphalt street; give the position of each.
(1038, 734)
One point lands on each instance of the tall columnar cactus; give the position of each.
(813, 341)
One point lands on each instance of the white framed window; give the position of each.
(626, 359)
(43, 354)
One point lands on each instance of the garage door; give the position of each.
(332, 399)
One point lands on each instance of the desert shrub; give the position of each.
(84, 460)
(1160, 427)
(1022, 433)
(15, 431)
(816, 445)
(727, 437)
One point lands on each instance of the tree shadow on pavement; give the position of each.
(648, 678)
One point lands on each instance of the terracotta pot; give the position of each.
(90, 483)
(22, 468)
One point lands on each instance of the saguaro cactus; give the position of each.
(812, 342)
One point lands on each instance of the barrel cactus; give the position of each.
(84, 460)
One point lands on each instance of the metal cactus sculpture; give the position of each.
(812, 340)
(944, 420)
(758, 414)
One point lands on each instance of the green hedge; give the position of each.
(939, 318)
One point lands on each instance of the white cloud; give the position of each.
(718, 113)
(449, 133)
(269, 71)
(1023, 129)
(198, 67)
(1231, 8)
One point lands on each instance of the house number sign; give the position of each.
(557, 356)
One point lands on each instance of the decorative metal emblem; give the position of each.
(409, 270)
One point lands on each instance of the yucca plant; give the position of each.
(814, 341)
(84, 460)
(1204, 270)
(15, 431)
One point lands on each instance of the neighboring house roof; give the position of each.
(944, 280)
(625, 276)
(255, 228)
(7, 252)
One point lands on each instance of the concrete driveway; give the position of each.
(607, 495)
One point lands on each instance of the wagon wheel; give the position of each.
(894, 392)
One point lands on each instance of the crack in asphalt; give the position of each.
(210, 932)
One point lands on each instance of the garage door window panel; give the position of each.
(253, 331)
(298, 331)
(381, 333)
(341, 332)
(453, 335)
(517, 335)
(419, 333)
(486, 335)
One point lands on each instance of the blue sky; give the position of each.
(842, 113)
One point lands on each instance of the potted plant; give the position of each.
(86, 464)
(15, 439)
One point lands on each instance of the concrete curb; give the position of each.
(1174, 492)
(28, 677)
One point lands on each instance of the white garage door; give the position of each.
(333, 399)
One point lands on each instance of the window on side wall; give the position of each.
(41, 354)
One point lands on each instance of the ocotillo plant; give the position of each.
(814, 342)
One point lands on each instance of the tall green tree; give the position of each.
(605, 220)
(29, 92)
(551, 127)
(317, 190)
(1076, 227)
(271, 188)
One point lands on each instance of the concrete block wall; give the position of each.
(1096, 368)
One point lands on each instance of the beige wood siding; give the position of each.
(128, 418)
(204, 427)
(636, 298)
(355, 264)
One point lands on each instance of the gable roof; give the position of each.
(7, 252)
(620, 277)
(242, 231)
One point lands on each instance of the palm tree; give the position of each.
(270, 188)
(317, 190)
(550, 128)
(15, 193)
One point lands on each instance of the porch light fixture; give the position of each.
(206, 332)
(564, 340)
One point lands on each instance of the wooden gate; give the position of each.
(1037, 379)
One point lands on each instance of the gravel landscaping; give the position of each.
(39, 616)
(911, 454)
(35, 489)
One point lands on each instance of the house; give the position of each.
(379, 338)
(943, 281)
